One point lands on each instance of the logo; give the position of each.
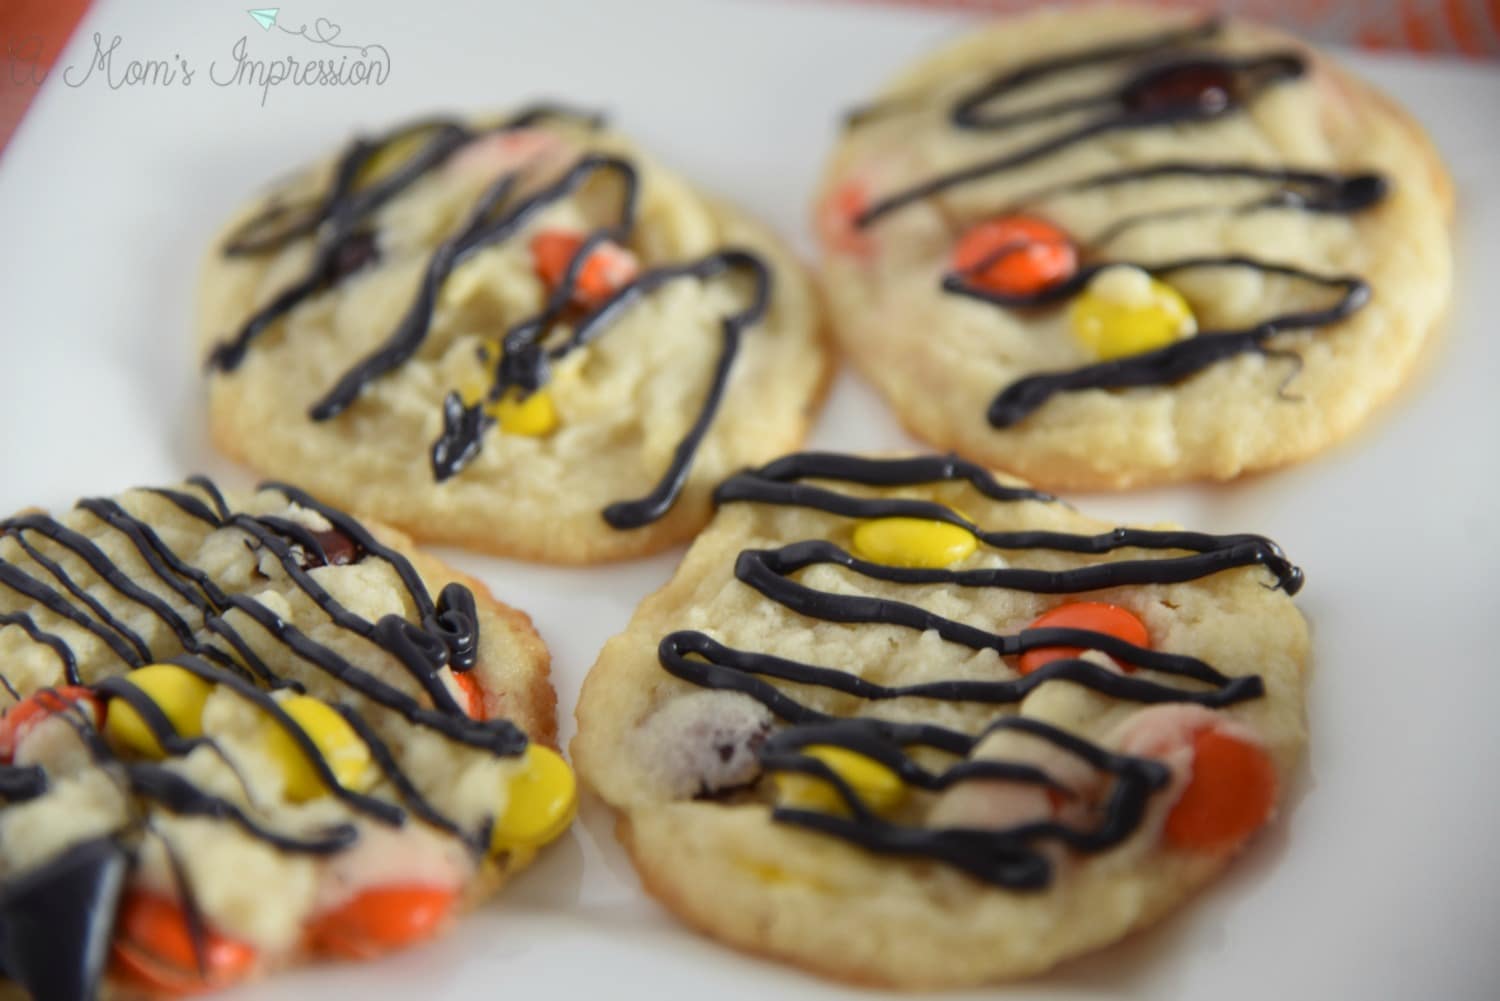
(279, 58)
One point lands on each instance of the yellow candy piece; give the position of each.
(176, 691)
(346, 755)
(535, 416)
(391, 157)
(542, 803)
(1124, 311)
(880, 788)
(912, 542)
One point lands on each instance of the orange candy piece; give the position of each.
(609, 266)
(473, 695)
(20, 718)
(153, 950)
(1095, 616)
(1231, 794)
(1015, 255)
(835, 219)
(380, 920)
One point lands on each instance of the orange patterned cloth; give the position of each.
(32, 35)
(1458, 27)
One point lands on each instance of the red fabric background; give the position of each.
(32, 35)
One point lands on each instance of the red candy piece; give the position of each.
(380, 920)
(1192, 87)
(21, 718)
(837, 219)
(153, 950)
(1015, 255)
(1095, 616)
(1231, 794)
(608, 269)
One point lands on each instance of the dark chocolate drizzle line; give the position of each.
(27, 585)
(655, 503)
(50, 640)
(344, 206)
(21, 782)
(1259, 73)
(192, 911)
(1005, 857)
(112, 575)
(343, 209)
(340, 202)
(1176, 361)
(779, 483)
(1131, 106)
(483, 229)
(1008, 857)
(1011, 857)
(446, 634)
(658, 500)
(1312, 191)
(525, 362)
(160, 726)
(392, 633)
(1253, 75)
(187, 580)
(90, 603)
(360, 803)
(77, 719)
(384, 760)
(1013, 79)
(177, 794)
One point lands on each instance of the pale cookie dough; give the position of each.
(799, 609)
(253, 719)
(355, 317)
(1192, 141)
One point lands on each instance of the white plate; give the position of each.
(1383, 880)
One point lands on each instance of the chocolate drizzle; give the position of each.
(486, 226)
(1176, 361)
(345, 244)
(525, 365)
(1011, 857)
(115, 608)
(55, 921)
(1166, 82)
(1008, 857)
(49, 640)
(19, 783)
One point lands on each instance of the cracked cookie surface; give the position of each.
(242, 731)
(1120, 246)
(519, 335)
(900, 722)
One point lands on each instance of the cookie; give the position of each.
(245, 731)
(1119, 246)
(515, 334)
(903, 723)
